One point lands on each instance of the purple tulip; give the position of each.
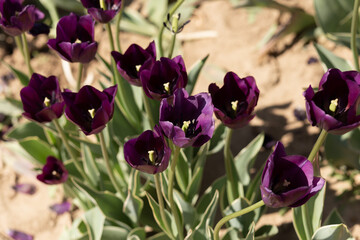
(99, 14)
(90, 109)
(25, 188)
(234, 103)
(333, 107)
(149, 152)
(60, 208)
(187, 121)
(53, 172)
(130, 63)
(164, 77)
(288, 181)
(16, 19)
(39, 28)
(74, 40)
(42, 101)
(17, 235)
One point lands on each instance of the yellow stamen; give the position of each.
(47, 101)
(333, 105)
(152, 156)
(185, 125)
(234, 105)
(77, 41)
(138, 67)
(54, 173)
(92, 112)
(167, 86)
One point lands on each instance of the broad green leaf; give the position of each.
(243, 222)
(137, 234)
(344, 38)
(159, 236)
(250, 235)
(10, 107)
(109, 204)
(70, 6)
(183, 171)
(330, 60)
(231, 234)
(113, 232)
(77, 231)
(27, 129)
(266, 231)
(133, 206)
(187, 211)
(90, 167)
(156, 10)
(333, 218)
(193, 188)
(37, 148)
(24, 79)
(194, 73)
(217, 141)
(333, 232)
(132, 21)
(253, 190)
(314, 208)
(94, 220)
(206, 198)
(334, 15)
(106, 63)
(246, 157)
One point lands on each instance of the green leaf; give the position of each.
(250, 235)
(24, 79)
(265, 232)
(246, 157)
(159, 236)
(94, 220)
(10, 107)
(206, 198)
(334, 15)
(137, 234)
(112, 233)
(253, 190)
(194, 73)
(217, 141)
(133, 206)
(156, 10)
(109, 204)
(132, 21)
(183, 171)
(194, 185)
(106, 63)
(187, 211)
(77, 231)
(27, 129)
(314, 209)
(241, 223)
(37, 148)
(90, 166)
(156, 212)
(333, 232)
(330, 60)
(334, 218)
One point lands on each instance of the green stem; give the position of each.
(174, 28)
(107, 164)
(26, 53)
(70, 151)
(233, 194)
(171, 195)
(148, 110)
(172, 11)
(161, 205)
(235, 215)
(319, 142)
(117, 30)
(19, 45)
(354, 26)
(80, 71)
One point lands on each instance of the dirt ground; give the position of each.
(232, 38)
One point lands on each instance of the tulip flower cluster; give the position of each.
(160, 146)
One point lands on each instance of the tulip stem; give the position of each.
(107, 164)
(161, 205)
(80, 71)
(175, 26)
(171, 195)
(319, 142)
(235, 215)
(354, 26)
(19, 44)
(233, 193)
(26, 53)
(148, 110)
(70, 151)
(117, 24)
(172, 11)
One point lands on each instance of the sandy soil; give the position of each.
(233, 40)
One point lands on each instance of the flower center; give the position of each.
(234, 105)
(92, 112)
(185, 125)
(152, 156)
(286, 183)
(47, 102)
(167, 87)
(56, 174)
(138, 67)
(333, 105)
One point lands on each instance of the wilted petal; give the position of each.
(17, 235)
(60, 208)
(26, 188)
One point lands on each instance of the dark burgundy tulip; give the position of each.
(42, 101)
(17, 19)
(53, 172)
(149, 152)
(333, 107)
(130, 63)
(288, 181)
(17, 235)
(90, 109)
(39, 28)
(234, 103)
(60, 208)
(99, 14)
(164, 77)
(187, 121)
(74, 40)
